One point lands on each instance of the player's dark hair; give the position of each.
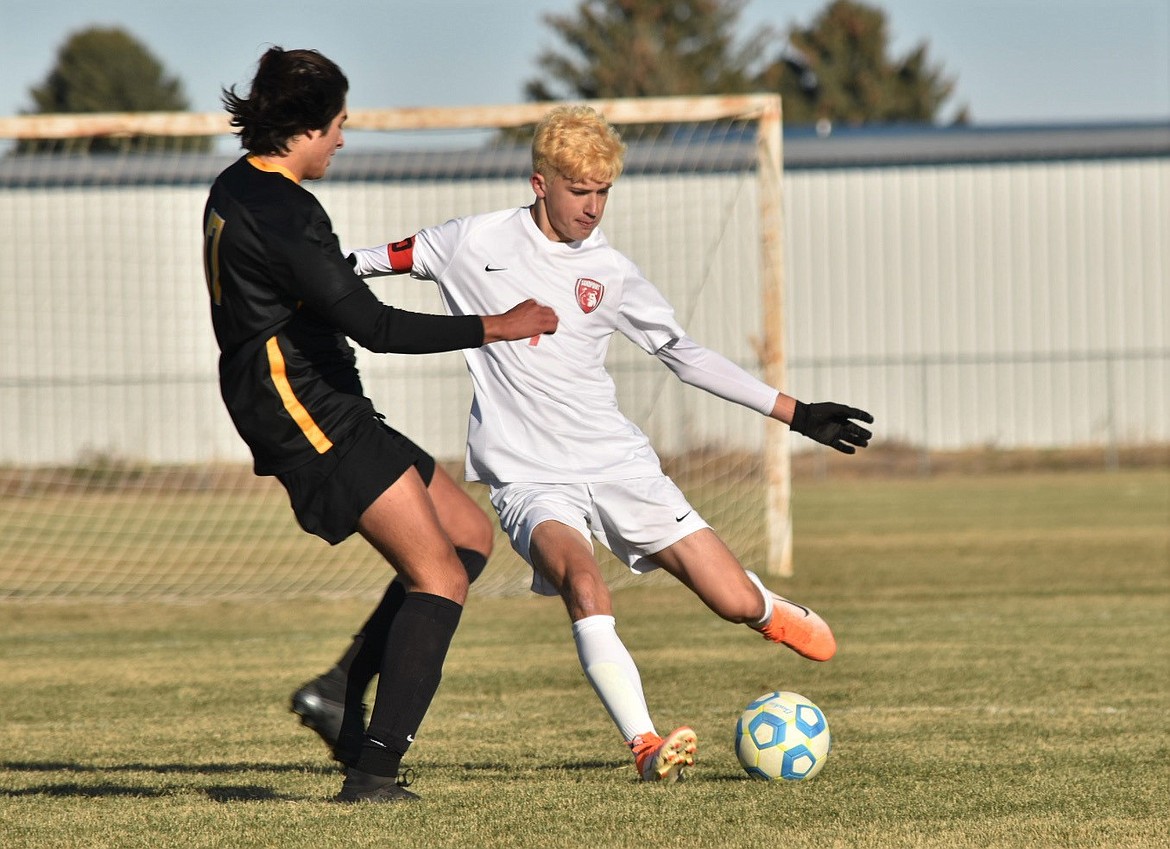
(293, 92)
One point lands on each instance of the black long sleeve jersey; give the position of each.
(283, 301)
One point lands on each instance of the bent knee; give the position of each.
(444, 577)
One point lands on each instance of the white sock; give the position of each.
(611, 671)
(767, 599)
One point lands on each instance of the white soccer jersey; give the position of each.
(545, 410)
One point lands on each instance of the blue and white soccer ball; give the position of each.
(782, 736)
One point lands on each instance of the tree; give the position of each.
(640, 48)
(839, 70)
(108, 70)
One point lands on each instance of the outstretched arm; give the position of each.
(385, 329)
(827, 422)
(711, 371)
(523, 321)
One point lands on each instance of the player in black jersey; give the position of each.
(283, 301)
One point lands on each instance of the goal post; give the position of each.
(777, 458)
(121, 469)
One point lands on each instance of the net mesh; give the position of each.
(121, 476)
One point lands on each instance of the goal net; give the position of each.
(121, 476)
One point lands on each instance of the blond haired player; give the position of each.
(563, 464)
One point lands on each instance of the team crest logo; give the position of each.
(589, 294)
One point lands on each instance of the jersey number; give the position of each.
(211, 233)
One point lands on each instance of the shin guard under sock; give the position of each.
(408, 678)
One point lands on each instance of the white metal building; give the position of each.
(1004, 287)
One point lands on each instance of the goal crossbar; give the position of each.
(618, 110)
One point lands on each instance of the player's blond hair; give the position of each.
(576, 142)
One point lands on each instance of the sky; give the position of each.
(1014, 61)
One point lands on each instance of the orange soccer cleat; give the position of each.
(663, 759)
(799, 628)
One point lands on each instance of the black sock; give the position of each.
(363, 658)
(361, 661)
(421, 634)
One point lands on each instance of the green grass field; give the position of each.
(1003, 680)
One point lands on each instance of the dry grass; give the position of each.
(1001, 682)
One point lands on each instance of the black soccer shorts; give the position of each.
(330, 492)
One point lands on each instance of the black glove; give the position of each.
(829, 424)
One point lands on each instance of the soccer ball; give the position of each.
(782, 735)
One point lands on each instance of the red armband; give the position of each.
(401, 255)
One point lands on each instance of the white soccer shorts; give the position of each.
(632, 518)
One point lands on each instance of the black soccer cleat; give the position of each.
(366, 787)
(320, 709)
(320, 705)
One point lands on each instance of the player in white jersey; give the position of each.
(546, 435)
